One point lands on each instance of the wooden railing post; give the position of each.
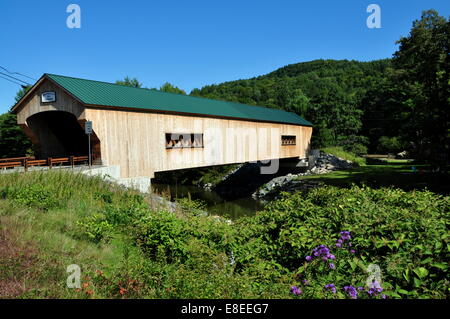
(72, 163)
(49, 162)
(25, 164)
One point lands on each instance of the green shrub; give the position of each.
(388, 144)
(33, 196)
(194, 256)
(190, 206)
(96, 228)
(405, 233)
(163, 236)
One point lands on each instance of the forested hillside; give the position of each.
(329, 93)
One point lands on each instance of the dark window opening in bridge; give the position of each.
(287, 140)
(184, 140)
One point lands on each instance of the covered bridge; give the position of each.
(143, 131)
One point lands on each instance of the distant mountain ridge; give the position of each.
(328, 93)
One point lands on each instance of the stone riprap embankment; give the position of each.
(325, 163)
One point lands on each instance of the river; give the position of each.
(216, 205)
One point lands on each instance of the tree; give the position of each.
(422, 65)
(21, 93)
(130, 82)
(328, 93)
(13, 141)
(167, 87)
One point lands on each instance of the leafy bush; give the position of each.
(358, 149)
(96, 228)
(33, 196)
(163, 236)
(405, 233)
(390, 145)
(188, 255)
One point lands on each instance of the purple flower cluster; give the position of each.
(296, 291)
(331, 287)
(351, 291)
(375, 290)
(345, 239)
(322, 252)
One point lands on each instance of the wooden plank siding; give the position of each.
(64, 102)
(135, 140)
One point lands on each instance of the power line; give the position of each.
(15, 78)
(2, 77)
(17, 73)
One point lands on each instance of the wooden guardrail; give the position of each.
(27, 162)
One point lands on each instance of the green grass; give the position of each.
(393, 173)
(340, 152)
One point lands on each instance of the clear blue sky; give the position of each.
(193, 43)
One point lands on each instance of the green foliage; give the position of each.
(411, 103)
(189, 205)
(95, 227)
(341, 153)
(127, 81)
(389, 145)
(163, 237)
(34, 195)
(13, 142)
(327, 93)
(399, 231)
(423, 63)
(167, 87)
(188, 255)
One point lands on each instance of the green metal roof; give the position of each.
(109, 94)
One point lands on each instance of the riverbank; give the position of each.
(325, 163)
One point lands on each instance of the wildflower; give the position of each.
(375, 289)
(332, 266)
(305, 282)
(338, 245)
(351, 291)
(345, 235)
(122, 290)
(352, 251)
(331, 256)
(330, 287)
(296, 291)
(321, 251)
(375, 285)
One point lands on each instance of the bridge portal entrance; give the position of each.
(58, 134)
